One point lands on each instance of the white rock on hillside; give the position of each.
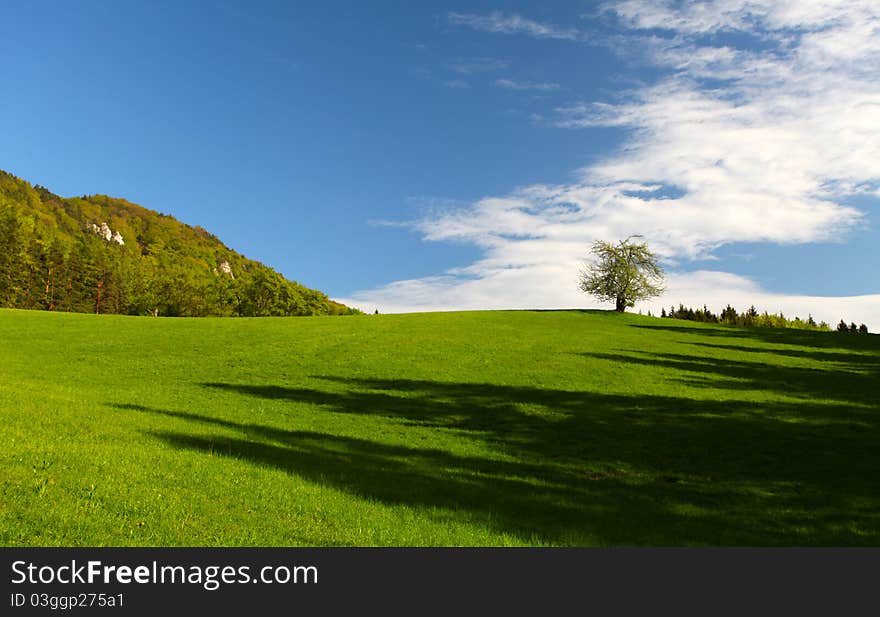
(105, 232)
(225, 268)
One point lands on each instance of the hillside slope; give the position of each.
(100, 254)
(483, 428)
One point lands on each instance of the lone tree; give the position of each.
(623, 273)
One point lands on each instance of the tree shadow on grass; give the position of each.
(394, 474)
(862, 361)
(845, 383)
(847, 342)
(844, 367)
(579, 467)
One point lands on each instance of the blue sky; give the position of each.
(432, 156)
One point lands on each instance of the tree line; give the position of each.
(752, 318)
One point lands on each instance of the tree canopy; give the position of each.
(622, 273)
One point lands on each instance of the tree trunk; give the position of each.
(48, 284)
(98, 300)
(620, 304)
(49, 299)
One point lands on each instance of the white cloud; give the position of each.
(526, 85)
(708, 16)
(456, 83)
(478, 65)
(513, 24)
(756, 144)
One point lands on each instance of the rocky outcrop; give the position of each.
(224, 268)
(105, 232)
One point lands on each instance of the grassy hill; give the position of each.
(482, 428)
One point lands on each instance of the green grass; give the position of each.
(484, 428)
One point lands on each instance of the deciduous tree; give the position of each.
(623, 273)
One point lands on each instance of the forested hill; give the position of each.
(101, 254)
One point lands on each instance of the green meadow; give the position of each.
(471, 428)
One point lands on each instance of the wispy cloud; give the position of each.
(478, 65)
(513, 24)
(526, 85)
(733, 144)
(457, 84)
